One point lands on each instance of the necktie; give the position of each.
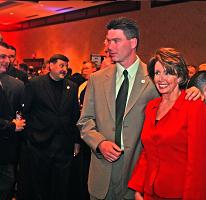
(121, 101)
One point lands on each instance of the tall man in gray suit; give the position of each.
(111, 164)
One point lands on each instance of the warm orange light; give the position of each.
(5, 23)
(11, 13)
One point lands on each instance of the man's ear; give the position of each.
(134, 43)
(51, 65)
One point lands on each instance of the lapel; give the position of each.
(47, 89)
(109, 89)
(152, 113)
(140, 83)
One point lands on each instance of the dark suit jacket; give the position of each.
(45, 120)
(77, 78)
(10, 94)
(16, 73)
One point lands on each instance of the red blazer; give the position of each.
(173, 161)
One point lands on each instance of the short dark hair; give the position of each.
(198, 80)
(12, 47)
(4, 44)
(172, 61)
(55, 57)
(23, 66)
(128, 26)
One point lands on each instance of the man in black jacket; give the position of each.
(12, 71)
(51, 110)
(10, 94)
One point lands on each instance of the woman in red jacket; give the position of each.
(173, 160)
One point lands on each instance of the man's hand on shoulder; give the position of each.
(194, 93)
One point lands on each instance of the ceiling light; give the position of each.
(11, 13)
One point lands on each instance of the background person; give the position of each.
(202, 67)
(172, 163)
(192, 70)
(107, 61)
(12, 71)
(88, 68)
(11, 91)
(51, 137)
(199, 81)
(23, 67)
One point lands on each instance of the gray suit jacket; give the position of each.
(97, 123)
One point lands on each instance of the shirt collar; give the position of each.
(132, 69)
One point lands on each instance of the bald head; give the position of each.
(202, 67)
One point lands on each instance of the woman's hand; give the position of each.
(138, 196)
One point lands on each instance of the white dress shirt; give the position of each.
(132, 70)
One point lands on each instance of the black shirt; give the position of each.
(57, 88)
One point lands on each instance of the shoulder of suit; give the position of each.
(38, 80)
(12, 83)
(144, 72)
(14, 80)
(105, 71)
(110, 69)
(143, 68)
